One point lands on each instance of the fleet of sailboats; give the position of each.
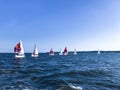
(35, 52)
(19, 50)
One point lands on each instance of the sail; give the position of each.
(98, 52)
(35, 52)
(60, 53)
(19, 48)
(22, 49)
(51, 52)
(75, 52)
(65, 51)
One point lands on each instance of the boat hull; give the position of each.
(51, 54)
(60, 54)
(34, 55)
(65, 53)
(19, 56)
(74, 53)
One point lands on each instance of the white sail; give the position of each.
(75, 52)
(19, 50)
(60, 53)
(22, 49)
(35, 52)
(98, 52)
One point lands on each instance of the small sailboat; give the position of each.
(60, 53)
(75, 52)
(98, 52)
(19, 50)
(65, 51)
(35, 52)
(51, 52)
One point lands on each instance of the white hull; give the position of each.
(19, 56)
(36, 55)
(74, 53)
(51, 54)
(66, 53)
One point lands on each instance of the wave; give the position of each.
(70, 86)
(19, 87)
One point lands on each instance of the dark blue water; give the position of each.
(86, 70)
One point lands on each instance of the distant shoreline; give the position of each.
(73, 51)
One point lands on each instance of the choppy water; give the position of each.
(88, 71)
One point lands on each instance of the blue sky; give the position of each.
(81, 24)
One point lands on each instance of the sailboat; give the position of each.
(60, 53)
(35, 52)
(75, 52)
(65, 51)
(51, 52)
(19, 50)
(98, 52)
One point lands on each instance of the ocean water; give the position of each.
(86, 71)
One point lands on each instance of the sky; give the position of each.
(82, 24)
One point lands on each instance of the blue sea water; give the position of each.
(86, 70)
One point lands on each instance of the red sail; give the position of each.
(51, 51)
(17, 48)
(65, 50)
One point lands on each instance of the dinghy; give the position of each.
(60, 53)
(75, 52)
(65, 51)
(35, 52)
(51, 52)
(98, 52)
(19, 50)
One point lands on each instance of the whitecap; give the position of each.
(75, 87)
(72, 86)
